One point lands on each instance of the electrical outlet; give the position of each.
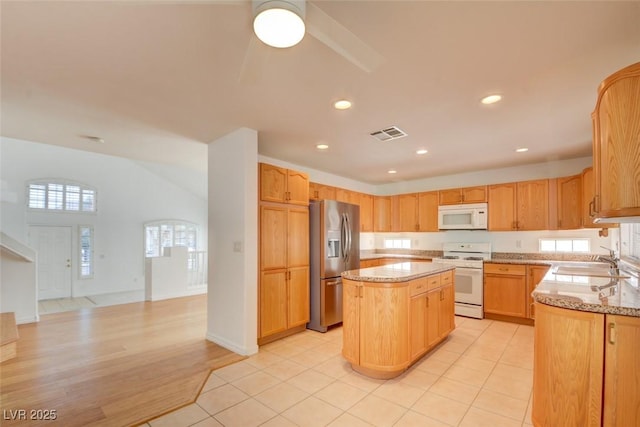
(237, 246)
(518, 244)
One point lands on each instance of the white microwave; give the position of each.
(463, 217)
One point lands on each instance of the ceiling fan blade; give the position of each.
(255, 61)
(337, 37)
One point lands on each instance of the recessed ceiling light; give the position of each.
(491, 99)
(342, 104)
(422, 151)
(322, 146)
(392, 171)
(522, 150)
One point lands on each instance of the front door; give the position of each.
(53, 245)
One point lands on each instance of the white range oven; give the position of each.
(468, 258)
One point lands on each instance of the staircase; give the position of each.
(9, 336)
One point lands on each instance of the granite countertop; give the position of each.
(585, 293)
(364, 256)
(400, 272)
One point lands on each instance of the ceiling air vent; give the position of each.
(388, 134)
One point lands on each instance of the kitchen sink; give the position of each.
(586, 269)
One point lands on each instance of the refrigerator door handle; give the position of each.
(343, 237)
(348, 221)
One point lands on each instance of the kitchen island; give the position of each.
(586, 346)
(394, 314)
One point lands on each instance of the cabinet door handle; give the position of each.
(612, 333)
(503, 269)
(591, 207)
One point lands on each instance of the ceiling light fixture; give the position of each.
(322, 146)
(421, 151)
(522, 150)
(279, 23)
(491, 99)
(392, 171)
(342, 104)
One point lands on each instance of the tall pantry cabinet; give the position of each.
(283, 290)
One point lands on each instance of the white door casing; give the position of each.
(53, 245)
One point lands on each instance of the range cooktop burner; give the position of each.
(474, 258)
(450, 257)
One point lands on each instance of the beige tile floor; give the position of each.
(480, 376)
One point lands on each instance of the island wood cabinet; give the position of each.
(456, 196)
(585, 369)
(282, 185)
(616, 146)
(389, 326)
(283, 292)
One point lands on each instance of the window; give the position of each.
(164, 234)
(86, 251)
(397, 243)
(61, 196)
(564, 245)
(630, 241)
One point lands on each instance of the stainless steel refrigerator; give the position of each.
(334, 237)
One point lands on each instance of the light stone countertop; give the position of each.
(582, 293)
(399, 272)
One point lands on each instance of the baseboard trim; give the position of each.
(221, 341)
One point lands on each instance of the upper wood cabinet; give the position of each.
(456, 196)
(415, 212)
(532, 209)
(382, 213)
(519, 206)
(502, 207)
(321, 192)
(428, 211)
(347, 196)
(569, 202)
(405, 212)
(366, 212)
(282, 185)
(616, 146)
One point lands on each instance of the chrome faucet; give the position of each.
(614, 269)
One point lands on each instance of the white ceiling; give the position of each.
(159, 80)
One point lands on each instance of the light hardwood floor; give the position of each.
(111, 366)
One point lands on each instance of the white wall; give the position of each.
(128, 195)
(551, 169)
(233, 242)
(19, 290)
(501, 241)
(520, 241)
